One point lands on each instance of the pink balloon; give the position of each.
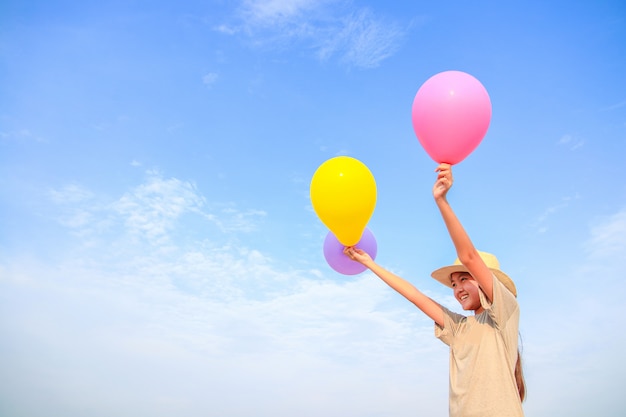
(451, 115)
(333, 252)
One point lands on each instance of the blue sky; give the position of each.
(159, 254)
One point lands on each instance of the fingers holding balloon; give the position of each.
(444, 170)
(358, 255)
(343, 195)
(349, 260)
(441, 187)
(444, 175)
(352, 252)
(442, 167)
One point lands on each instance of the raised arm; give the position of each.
(431, 308)
(466, 252)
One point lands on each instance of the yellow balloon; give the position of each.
(343, 193)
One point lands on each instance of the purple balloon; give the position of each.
(337, 260)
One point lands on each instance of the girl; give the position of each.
(485, 368)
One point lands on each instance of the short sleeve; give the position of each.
(503, 305)
(451, 323)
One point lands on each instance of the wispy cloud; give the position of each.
(116, 333)
(577, 354)
(238, 220)
(571, 142)
(209, 79)
(278, 12)
(76, 208)
(541, 222)
(70, 194)
(608, 238)
(21, 135)
(152, 210)
(151, 329)
(203, 312)
(363, 40)
(614, 106)
(333, 29)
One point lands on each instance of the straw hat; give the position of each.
(443, 274)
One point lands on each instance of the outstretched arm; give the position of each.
(467, 253)
(431, 308)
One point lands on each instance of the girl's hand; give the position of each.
(357, 254)
(444, 181)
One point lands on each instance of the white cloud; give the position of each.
(152, 208)
(133, 340)
(210, 78)
(70, 193)
(333, 29)
(571, 142)
(237, 220)
(614, 106)
(226, 29)
(21, 135)
(151, 211)
(273, 12)
(76, 208)
(572, 334)
(363, 40)
(608, 239)
(199, 326)
(541, 223)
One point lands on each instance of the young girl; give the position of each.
(485, 368)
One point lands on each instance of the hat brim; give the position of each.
(443, 275)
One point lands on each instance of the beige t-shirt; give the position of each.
(483, 353)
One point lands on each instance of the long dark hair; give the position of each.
(519, 377)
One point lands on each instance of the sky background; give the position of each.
(159, 254)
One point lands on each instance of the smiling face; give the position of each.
(466, 291)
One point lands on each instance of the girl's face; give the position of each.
(466, 291)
